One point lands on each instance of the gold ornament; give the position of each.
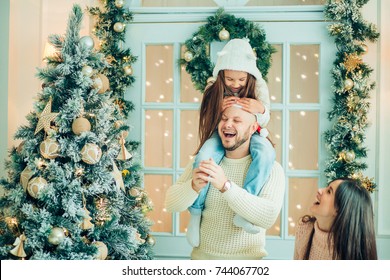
(352, 61)
(45, 118)
(150, 239)
(224, 35)
(87, 42)
(80, 125)
(25, 176)
(126, 58)
(123, 153)
(117, 175)
(349, 156)
(18, 251)
(348, 84)
(120, 104)
(139, 239)
(118, 123)
(128, 70)
(101, 83)
(364, 48)
(91, 153)
(110, 59)
(19, 149)
(119, 3)
(56, 236)
(188, 56)
(79, 172)
(49, 148)
(35, 185)
(102, 250)
(87, 70)
(40, 163)
(103, 214)
(341, 156)
(86, 223)
(125, 172)
(119, 27)
(134, 192)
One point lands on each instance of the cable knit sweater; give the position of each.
(219, 237)
(319, 247)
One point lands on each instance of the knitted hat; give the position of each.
(237, 55)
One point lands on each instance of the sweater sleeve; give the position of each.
(181, 195)
(302, 235)
(261, 210)
(263, 96)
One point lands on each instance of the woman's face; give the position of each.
(235, 80)
(323, 207)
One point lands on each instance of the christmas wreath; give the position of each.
(223, 27)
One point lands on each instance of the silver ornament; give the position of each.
(128, 70)
(224, 35)
(348, 84)
(349, 156)
(119, 3)
(87, 42)
(56, 236)
(87, 71)
(188, 56)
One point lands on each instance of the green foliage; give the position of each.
(201, 68)
(76, 191)
(352, 87)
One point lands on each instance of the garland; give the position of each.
(351, 91)
(222, 27)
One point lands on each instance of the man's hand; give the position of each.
(197, 182)
(212, 173)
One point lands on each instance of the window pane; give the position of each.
(158, 138)
(275, 75)
(178, 3)
(276, 132)
(184, 220)
(284, 2)
(156, 187)
(304, 63)
(159, 73)
(302, 192)
(275, 229)
(189, 121)
(187, 91)
(303, 146)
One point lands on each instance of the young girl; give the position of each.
(237, 82)
(342, 227)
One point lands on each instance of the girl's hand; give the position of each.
(251, 105)
(229, 101)
(214, 173)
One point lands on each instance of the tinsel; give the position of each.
(351, 86)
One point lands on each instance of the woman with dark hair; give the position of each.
(342, 225)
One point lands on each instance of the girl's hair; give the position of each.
(211, 106)
(352, 231)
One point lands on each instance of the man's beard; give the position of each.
(241, 141)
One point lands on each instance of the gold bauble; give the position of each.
(87, 70)
(349, 156)
(91, 153)
(56, 236)
(188, 56)
(25, 176)
(102, 250)
(49, 148)
(128, 70)
(118, 124)
(134, 192)
(348, 84)
(119, 3)
(151, 241)
(97, 83)
(35, 185)
(119, 27)
(80, 125)
(224, 35)
(101, 83)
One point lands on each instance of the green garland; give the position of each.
(221, 27)
(351, 91)
(110, 29)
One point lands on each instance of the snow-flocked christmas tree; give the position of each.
(73, 186)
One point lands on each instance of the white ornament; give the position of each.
(119, 27)
(102, 250)
(224, 35)
(87, 42)
(56, 236)
(128, 70)
(49, 148)
(91, 153)
(119, 3)
(35, 185)
(348, 84)
(87, 70)
(188, 56)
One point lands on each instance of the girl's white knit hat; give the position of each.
(237, 55)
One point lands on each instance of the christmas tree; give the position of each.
(73, 186)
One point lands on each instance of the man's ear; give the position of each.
(254, 127)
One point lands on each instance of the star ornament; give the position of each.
(352, 61)
(45, 118)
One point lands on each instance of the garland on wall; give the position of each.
(223, 27)
(110, 29)
(351, 89)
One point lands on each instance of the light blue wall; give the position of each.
(4, 39)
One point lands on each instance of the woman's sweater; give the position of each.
(219, 237)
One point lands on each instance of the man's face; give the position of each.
(235, 128)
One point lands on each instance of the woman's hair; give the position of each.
(352, 231)
(211, 106)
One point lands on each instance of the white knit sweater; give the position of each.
(219, 237)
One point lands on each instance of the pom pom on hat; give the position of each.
(237, 55)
